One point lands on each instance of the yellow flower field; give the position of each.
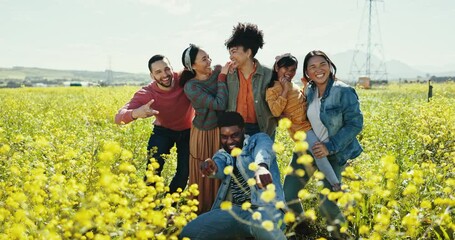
(68, 172)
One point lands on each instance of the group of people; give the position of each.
(207, 113)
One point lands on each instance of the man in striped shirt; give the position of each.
(245, 179)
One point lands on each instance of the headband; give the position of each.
(278, 58)
(187, 58)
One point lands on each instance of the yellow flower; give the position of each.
(126, 167)
(236, 152)
(304, 194)
(126, 155)
(288, 170)
(447, 190)
(301, 147)
(226, 205)
(246, 206)
(267, 225)
(300, 172)
(268, 195)
(280, 205)
(180, 221)
(271, 187)
(319, 175)
(305, 159)
(251, 182)
(311, 214)
(113, 147)
(325, 191)
(256, 216)
(364, 230)
(228, 170)
(253, 166)
(300, 136)
(289, 217)
(284, 123)
(410, 189)
(425, 204)
(4, 149)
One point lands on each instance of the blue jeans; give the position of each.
(164, 139)
(220, 224)
(253, 128)
(293, 184)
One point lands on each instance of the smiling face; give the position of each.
(286, 71)
(202, 63)
(162, 73)
(318, 70)
(231, 137)
(239, 56)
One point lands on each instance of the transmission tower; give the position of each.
(110, 74)
(368, 58)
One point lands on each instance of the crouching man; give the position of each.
(249, 203)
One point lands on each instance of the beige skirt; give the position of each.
(203, 144)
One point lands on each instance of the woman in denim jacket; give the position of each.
(334, 113)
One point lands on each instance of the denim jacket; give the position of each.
(340, 113)
(258, 149)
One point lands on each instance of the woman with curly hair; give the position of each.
(248, 81)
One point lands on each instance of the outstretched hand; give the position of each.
(208, 167)
(145, 110)
(263, 177)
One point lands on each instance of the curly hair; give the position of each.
(246, 35)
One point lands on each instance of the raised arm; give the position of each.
(276, 98)
(140, 106)
(201, 99)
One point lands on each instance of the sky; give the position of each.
(122, 35)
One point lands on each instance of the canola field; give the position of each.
(67, 171)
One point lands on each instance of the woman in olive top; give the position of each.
(207, 91)
(248, 81)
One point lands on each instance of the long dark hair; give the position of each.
(333, 68)
(285, 61)
(186, 73)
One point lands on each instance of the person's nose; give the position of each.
(230, 140)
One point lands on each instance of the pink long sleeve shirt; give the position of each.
(175, 110)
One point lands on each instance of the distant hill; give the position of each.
(395, 69)
(31, 75)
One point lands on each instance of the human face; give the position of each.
(162, 73)
(239, 56)
(287, 72)
(318, 70)
(231, 137)
(202, 63)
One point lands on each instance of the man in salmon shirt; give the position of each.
(247, 84)
(164, 99)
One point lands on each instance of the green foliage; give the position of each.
(59, 149)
